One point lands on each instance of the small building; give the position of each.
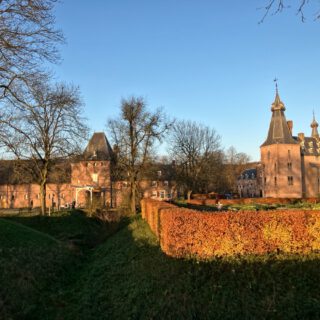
(249, 183)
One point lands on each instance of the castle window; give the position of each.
(275, 167)
(154, 183)
(95, 177)
(154, 194)
(26, 196)
(290, 181)
(289, 165)
(49, 195)
(275, 181)
(165, 183)
(12, 197)
(265, 180)
(269, 155)
(289, 154)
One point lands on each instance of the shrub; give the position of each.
(184, 232)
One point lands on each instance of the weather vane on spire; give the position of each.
(276, 82)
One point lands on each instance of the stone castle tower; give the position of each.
(91, 176)
(290, 164)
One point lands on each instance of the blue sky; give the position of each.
(203, 60)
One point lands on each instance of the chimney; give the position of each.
(290, 126)
(301, 136)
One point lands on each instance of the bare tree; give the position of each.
(42, 123)
(277, 6)
(27, 39)
(234, 163)
(198, 155)
(134, 133)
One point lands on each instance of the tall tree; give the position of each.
(134, 133)
(234, 163)
(42, 123)
(197, 151)
(27, 39)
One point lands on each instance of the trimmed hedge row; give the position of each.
(184, 232)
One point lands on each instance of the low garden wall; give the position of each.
(190, 233)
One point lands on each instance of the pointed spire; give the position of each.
(279, 131)
(314, 125)
(277, 104)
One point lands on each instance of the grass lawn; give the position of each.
(127, 276)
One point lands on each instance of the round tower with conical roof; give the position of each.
(280, 157)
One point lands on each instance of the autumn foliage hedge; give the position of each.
(184, 232)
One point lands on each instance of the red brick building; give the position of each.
(83, 180)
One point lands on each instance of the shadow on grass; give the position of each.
(73, 227)
(41, 256)
(128, 277)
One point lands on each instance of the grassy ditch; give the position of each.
(126, 276)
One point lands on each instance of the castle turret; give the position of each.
(280, 156)
(279, 131)
(314, 126)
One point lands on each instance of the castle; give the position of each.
(86, 179)
(289, 165)
(82, 181)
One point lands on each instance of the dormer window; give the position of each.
(154, 183)
(165, 183)
(159, 173)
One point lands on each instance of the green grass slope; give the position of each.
(33, 266)
(128, 277)
(41, 256)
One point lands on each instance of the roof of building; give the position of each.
(98, 148)
(278, 130)
(249, 174)
(20, 172)
(310, 146)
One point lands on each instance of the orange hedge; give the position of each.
(183, 232)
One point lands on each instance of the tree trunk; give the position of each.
(133, 198)
(43, 195)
